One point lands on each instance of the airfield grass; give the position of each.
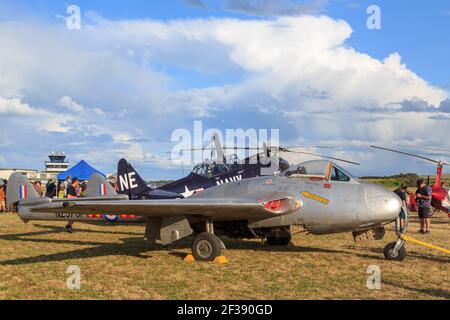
(116, 263)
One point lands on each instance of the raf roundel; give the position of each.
(111, 218)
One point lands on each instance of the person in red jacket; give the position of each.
(2, 199)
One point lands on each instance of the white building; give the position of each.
(53, 167)
(30, 173)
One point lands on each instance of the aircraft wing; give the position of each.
(274, 204)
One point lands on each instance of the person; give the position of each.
(113, 182)
(62, 191)
(5, 187)
(424, 195)
(401, 192)
(50, 189)
(83, 190)
(72, 189)
(72, 192)
(39, 189)
(2, 199)
(66, 184)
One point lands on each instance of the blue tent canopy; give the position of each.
(82, 170)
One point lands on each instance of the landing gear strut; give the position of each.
(206, 245)
(396, 250)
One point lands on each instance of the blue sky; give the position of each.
(138, 70)
(417, 29)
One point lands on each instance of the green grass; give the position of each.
(393, 183)
(117, 264)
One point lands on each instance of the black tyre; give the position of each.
(281, 239)
(388, 254)
(69, 228)
(206, 247)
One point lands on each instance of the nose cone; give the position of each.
(384, 205)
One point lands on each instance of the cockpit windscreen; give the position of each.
(308, 169)
(319, 169)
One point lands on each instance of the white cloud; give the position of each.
(22, 114)
(70, 104)
(16, 106)
(134, 152)
(285, 60)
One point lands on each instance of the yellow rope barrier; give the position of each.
(428, 245)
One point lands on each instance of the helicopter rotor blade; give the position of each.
(282, 148)
(240, 148)
(410, 154)
(224, 148)
(426, 148)
(309, 146)
(322, 156)
(260, 148)
(196, 149)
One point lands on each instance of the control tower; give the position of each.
(57, 163)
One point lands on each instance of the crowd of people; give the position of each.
(420, 202)
(69, 188)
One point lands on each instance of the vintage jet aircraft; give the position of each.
(440, 196)
(132, 186)
(130, 180)
(318, 195)
(136, 188)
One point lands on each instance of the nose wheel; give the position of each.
(396, 251)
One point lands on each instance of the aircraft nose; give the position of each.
(383, 204)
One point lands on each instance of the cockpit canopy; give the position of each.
(319, 170)
(210, 169)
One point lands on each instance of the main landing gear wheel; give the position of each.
(278, 241)
(206, 247)
(282, 238)
(390, 254)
